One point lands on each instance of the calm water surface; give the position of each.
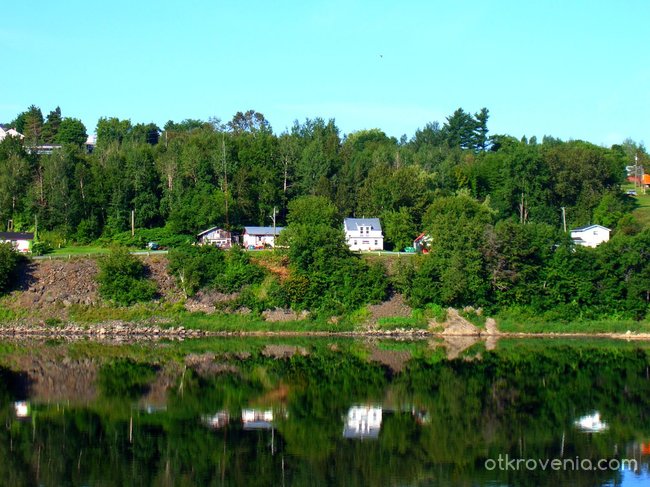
(325, 412)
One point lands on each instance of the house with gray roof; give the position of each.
(590, 236)
(260, 237)
(363, 233)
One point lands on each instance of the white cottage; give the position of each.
(260, 237)
(590, 236)
(363, 233)
(21, 241)
(216, 236)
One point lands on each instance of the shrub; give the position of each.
(8, 266)
(196, 267)
(41, 248)
(122, 278)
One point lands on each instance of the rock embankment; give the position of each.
(113, 330)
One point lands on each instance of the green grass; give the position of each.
(642, 211)
(224, 322)
(138, 312)
(400, 322)
(509, 324)
(81, 250)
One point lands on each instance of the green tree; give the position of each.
(399, 228)
(71, 131)
(51, 126)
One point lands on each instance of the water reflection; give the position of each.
(591, 423)
(329, 415)
(363, 422)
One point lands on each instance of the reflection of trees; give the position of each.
(521, 402)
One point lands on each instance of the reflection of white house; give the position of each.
(21, 241)
(590, 236)
(363, 233)
(257, 419)
(591, 423)
(216, 421)
(363, 422)
(216, 236)
(260, 237)
(21, 408)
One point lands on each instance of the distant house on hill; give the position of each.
(8, 132)
(21, 241)
(216, 236)
(590, 236)
(260, 237)
(363, 233)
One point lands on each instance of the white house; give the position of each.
(4, 132)
(363, 233)
(590, 236)
(260, 237)
(216, 236)
(21, 241)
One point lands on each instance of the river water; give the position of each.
(325, 412)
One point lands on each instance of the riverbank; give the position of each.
(60, 299)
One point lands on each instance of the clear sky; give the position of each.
(574, 69)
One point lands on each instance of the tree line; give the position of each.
(193, 174)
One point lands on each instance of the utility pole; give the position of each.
(225, 176)
(564, 218)
(132, 223)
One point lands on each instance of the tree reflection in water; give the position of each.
(328, 417)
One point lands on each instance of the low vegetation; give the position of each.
(122, 278)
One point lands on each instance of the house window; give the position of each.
(355, 242)
(376, 242)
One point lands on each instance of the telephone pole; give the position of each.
(564, 218)
(225, 177)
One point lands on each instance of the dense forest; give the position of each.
(192, 175)
(492, 204)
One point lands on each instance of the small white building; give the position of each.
(4, 132)
(590, 236)
(363, 233)
(260, 237)
(216, 236)
(21, 241)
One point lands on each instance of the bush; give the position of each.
(41, 248)
(8, 266)
(239, 272)
(122, 278)
(196, 267)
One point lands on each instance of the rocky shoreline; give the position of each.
(123, 331)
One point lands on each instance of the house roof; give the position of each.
(16, 236)
(352, 224)
(262, 230)
(204, 232)
(589, 227)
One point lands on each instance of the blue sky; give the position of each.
(573, 69)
